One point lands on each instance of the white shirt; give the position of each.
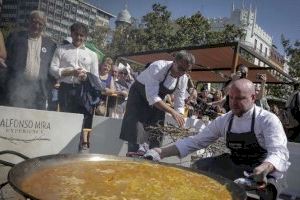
(68, 56)
(268, 129)
(154, 74)
(32, 69)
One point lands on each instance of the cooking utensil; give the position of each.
(27, 168)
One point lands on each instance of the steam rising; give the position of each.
(27, 93)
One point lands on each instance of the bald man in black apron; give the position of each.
(255, 137)
(145, 105)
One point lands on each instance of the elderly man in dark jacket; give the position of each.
(29, 55)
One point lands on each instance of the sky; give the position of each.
(275, 17)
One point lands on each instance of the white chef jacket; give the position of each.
(68, 56)
(154, 74)
(268, 129)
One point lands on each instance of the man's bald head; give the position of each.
(241, 96)
(244, 85)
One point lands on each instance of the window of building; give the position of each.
(266, 51)
(255, 44)
(261, 47)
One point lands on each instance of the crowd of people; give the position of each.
(37, 73)
(43, 75)
(29, 83)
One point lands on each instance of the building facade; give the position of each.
(61, 14)
(255, 37)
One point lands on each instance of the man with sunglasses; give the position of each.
(145, 104)
(122, 87)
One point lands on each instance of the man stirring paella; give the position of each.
(255, 137)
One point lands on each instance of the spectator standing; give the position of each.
(29, 55)
(115, 72)
(262, 78)
(122, 88)
(190, 102)
(281, 114)
(70, 65)
(204, 95)
(242, 72)
(105, 72)
(225, 101)
(217, 102)
(107, 102)
(261, 100)
(293, 127)
(53, 104)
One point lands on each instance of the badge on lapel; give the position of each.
(44, 50)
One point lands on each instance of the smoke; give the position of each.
(26, 93)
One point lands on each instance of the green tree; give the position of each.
(158, 31)
(119, 41)
(126, 40)
(293, 53)
(99, 36)
(191, 31)
(230, 33)
(158, 28)
(153, 33)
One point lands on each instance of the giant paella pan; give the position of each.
(96, 176)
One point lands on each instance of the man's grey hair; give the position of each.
(37, 13)
(186, 56)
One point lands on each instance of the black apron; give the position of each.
(244, 147)
(140, 114)
(246, 154)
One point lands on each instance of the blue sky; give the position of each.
(276, 17)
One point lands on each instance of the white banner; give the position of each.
(37, 133)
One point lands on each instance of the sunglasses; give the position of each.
(123, 73)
